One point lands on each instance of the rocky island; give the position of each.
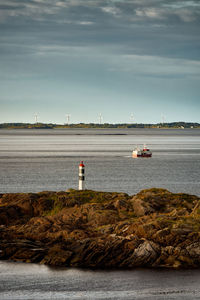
(154, 228)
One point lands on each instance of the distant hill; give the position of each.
(94, 125)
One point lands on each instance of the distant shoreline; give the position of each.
(172, 125)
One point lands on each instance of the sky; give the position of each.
(128, 60)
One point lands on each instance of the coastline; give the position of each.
(40, 125)
(90, 229)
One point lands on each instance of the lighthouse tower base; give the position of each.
(81, 185)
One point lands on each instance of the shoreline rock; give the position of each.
(91, 229)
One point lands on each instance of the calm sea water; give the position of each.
(20, 281)
(36, 160)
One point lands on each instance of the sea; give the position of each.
(34, 160)
(37, 160)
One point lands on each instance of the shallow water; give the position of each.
(36, 160)
(20, 281)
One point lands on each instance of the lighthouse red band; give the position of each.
(81, 176)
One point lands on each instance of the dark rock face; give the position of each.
(154, 228)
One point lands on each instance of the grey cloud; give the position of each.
(126, 10)
(181, 4)
(127, 27)
(156, 66)
(111, 10)
(13, 7)
(26, 8)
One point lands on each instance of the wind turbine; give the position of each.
(36, 118)
(163, 119)
(100, 118)
(68, 118)
(132, 117)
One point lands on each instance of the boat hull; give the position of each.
(141, 155)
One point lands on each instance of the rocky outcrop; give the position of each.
(154, 228)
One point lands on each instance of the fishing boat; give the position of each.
(145, 152)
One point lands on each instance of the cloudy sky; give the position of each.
(86, 57)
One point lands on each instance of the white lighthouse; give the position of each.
(81, 185)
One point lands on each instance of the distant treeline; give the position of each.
(94, 125)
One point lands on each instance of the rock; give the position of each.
(56, 256)
(183, 229)
(121, 204)
(140, 207)
(154, 228)
(145, 254)
(162, 236)
(194, 251)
